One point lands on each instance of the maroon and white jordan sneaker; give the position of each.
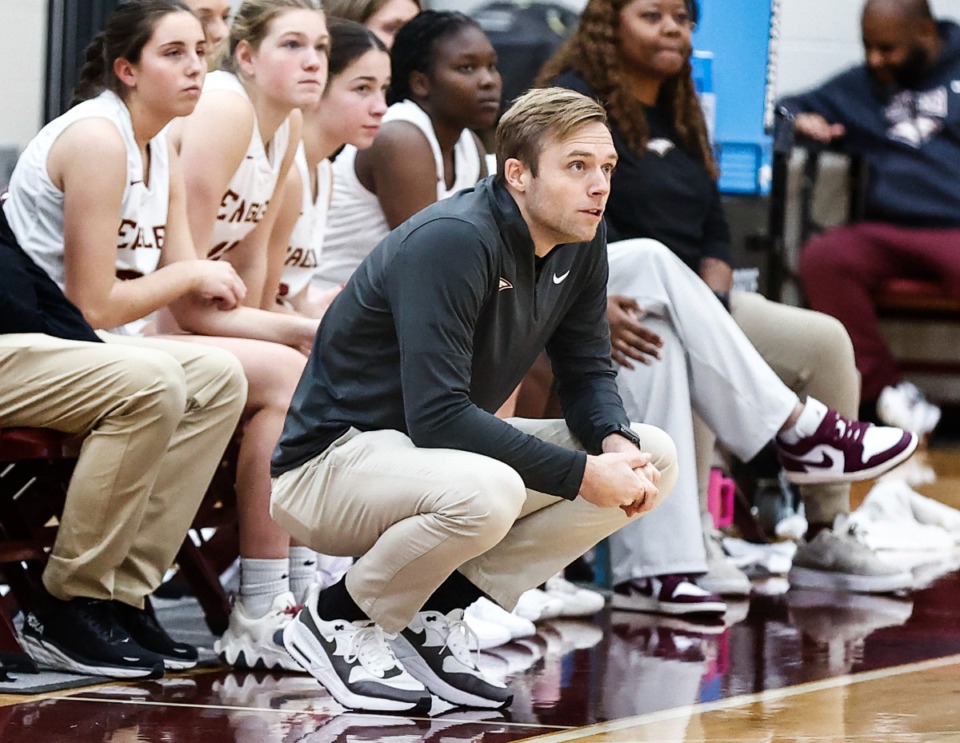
(843, 450)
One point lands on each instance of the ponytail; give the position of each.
(93, 74)
(127, 31)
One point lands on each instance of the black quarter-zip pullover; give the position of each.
(440, 323)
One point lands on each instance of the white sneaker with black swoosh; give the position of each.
(354, 663)
(438, 651)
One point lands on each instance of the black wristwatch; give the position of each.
(629, 434)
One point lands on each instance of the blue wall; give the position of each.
(737, 32)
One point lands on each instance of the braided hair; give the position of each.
(593, 51)
(128, 30)
(414, 46)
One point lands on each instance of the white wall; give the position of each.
(23, 33)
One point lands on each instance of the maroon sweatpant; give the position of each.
(843, 268)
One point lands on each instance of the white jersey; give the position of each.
(245, 201)
(306, 241)
(34, 208)
(357, 223)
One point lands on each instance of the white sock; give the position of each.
(303, 571)
(807, 422)
(261, 581)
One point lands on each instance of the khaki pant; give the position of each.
(413, 516)
(156, 416)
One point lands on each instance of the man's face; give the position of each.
(895, 49)
(564, 203)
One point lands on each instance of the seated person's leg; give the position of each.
(264, 605)
(128, 405)
(732, 388)
(812, 354)
(842, 269)
(216, 395)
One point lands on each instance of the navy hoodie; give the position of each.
(909, 138)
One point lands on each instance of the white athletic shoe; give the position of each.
(354, 663)
(488, 612)
(536, 606)
(577, 601)
(258, 642)
(905, 406)
(486, 633)
(436, 650)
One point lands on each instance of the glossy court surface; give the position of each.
(797, 666)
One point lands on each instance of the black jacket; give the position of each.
(30, 302)
(438, 326)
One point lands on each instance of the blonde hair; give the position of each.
(251, 23)
(537, 115)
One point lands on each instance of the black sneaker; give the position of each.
(436, 650)
(147, 632)
(84, 636)
(353, 662)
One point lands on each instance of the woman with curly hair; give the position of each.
(634, 56)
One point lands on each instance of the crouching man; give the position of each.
(391, 451)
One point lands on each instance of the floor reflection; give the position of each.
(667, 671)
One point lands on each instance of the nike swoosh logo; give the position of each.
(826, 461)
(560, 279)
(504, 284)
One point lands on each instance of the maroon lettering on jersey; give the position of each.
(254, 213)
(131, 236)
(126, 234)
(221, 249)
(228, 206)
(284, 290)
(159, 232)
(301, 257)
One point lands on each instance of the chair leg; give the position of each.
(206, 585)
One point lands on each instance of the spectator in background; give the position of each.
(384, 17)
(900, 112)
(634, 56)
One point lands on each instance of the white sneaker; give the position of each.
(258, 642)
(577, 602)
(354, 663)
(536, 606)
(722, 577)
(485, 610)
(486, 633)
(837, 560)
(898, 501)
(905, 406)
(436, 650)
(886, 521)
